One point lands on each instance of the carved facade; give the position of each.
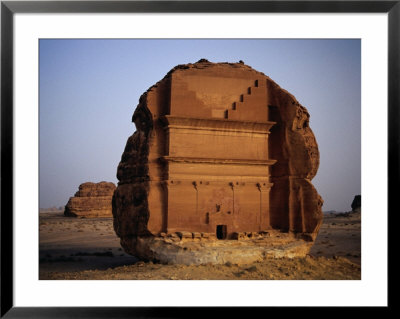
(219, 149)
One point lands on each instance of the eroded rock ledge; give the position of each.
(204, 248)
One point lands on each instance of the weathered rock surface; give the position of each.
(91, 200)
(219, 149)
(204, 250)
(356, 204)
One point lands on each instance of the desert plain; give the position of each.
(88, 249)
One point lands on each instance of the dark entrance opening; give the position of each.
(221, 231)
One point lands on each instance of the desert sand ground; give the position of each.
(71, 248)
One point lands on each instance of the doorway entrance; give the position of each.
(221, 232)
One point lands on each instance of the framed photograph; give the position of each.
(75, 75)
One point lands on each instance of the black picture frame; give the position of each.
(9, 8)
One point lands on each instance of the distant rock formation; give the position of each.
(91, 200)
(356, 204)
(220, 150)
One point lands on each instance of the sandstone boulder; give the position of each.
(91, 200)
(219, 149)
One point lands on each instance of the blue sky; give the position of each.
(90, 88)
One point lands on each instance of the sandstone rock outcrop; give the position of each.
(91, 200)
(219, 149)
(356, 204)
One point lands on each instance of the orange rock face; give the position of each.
(91, 200)
(219, 149)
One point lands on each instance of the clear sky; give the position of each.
(90, 88)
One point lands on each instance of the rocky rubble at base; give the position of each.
(193, 248)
